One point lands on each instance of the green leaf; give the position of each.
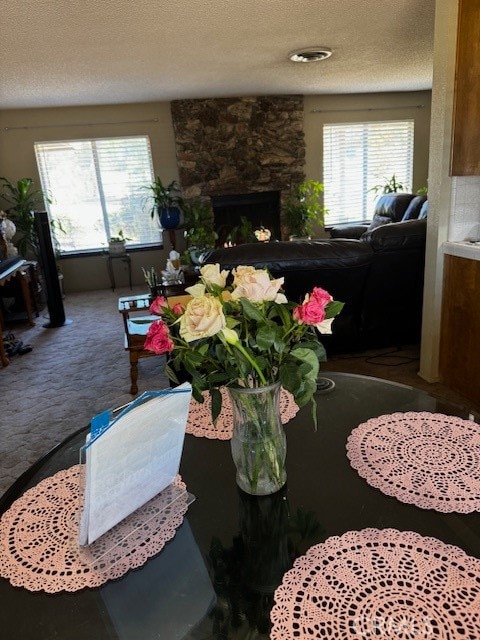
(333, 308)
(307, 355)
(290, 376)
(251, 310)
(216, 400)
(171, 374)
(203, 349)
(265, 337)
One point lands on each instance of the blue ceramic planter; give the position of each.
(170, 217)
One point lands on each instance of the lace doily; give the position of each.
(39, 533)
(199, 422)
(430, 460)
(379, 584)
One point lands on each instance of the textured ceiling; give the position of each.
(60, 53)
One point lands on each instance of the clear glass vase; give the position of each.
(258, 442)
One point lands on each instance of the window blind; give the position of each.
(357, 157)
(97, 188)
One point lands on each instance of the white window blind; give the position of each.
(357, 157)
(97, 189)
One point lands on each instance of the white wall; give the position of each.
(440, 183)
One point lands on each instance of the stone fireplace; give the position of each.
(243, 154)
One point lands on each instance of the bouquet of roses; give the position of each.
(239, 329)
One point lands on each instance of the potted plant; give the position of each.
(23, 198)
(167, 203)
(304, 209)
(198, 222)
(116, 244)
(389, 186)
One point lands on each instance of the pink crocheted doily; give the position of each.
(430, 460)
(379, 584)
(199, 422)
(39, 533)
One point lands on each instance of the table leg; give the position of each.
(110, 273)
(133, 372)
(26, 297)
(129, 263)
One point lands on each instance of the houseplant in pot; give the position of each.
(167, 203)
(198, 222)
(23, 198)
(304, 209)
(116, 244)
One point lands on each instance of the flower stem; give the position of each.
(251, 360)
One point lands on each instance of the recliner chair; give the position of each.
(392, 207)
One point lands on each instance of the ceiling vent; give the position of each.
(312, 54)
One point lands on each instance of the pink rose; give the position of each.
(312, 311)
(158, 338)
(178, 308)
(321, 296)
(156, 308)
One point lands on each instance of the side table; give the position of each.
(123, 257)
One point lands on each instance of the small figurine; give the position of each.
(8, 230)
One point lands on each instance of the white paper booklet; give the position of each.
(131, 459)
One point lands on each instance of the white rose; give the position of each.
(211, 274)
(196, 290)
(203, 317)
(257, 286)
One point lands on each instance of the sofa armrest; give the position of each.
(391, 237)
(353, 231)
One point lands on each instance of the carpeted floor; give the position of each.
(80, 369)
(72, 373)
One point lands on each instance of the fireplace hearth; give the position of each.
(261, 209)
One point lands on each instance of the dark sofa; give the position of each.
(379, 277)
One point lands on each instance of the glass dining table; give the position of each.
(217, 577)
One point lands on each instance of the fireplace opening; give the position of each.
(260, 209)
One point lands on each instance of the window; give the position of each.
(357, 157)
(97, 189)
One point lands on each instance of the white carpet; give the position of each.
(72, 373)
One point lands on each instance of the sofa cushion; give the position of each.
(423, 211)
(414, 208)
(392, 206)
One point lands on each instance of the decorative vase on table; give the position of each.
(242, 333)
(258, 443)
